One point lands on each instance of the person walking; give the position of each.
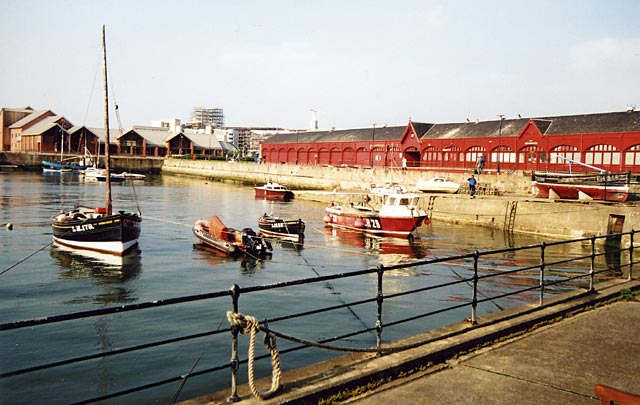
(472, 185)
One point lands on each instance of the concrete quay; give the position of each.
(555, 353)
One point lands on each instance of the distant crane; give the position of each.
(314, 120)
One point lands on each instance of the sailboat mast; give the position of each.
(106, 123)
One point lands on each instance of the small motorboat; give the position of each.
(438, 184)
(273, 191)
(115, 177)
(287, 229)
(232, 242)
(133, 176)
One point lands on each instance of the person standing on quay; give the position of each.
(472, 185)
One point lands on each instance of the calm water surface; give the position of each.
(40, 280)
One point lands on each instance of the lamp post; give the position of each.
(501, 116)
(373, 140)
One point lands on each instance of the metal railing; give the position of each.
(560, 266)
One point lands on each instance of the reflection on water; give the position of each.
(214, 257)
(390, 250)
(108, 271)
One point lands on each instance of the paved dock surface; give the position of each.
(557, 364)
(555, 354)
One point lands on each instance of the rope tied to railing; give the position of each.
(248, 324)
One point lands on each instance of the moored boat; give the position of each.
(98, 229)
(388, 188)
(95, 229)
(605, 186)
(273, 191)
(114, 177)
(438, 184)
(232, 242)
(399, 215)
(287, 229)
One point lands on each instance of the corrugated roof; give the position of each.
(42, 126)
(28, 119)
(594, 123)
(474, 129)
(155, 136)
(114, 134)
(340, 135)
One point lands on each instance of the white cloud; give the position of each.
(606, 55)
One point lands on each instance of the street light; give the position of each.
(501, 116)
(373, 140)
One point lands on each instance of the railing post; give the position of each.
(592, 271)
(235, 294)
(631, 254)
(543, 246)
(379, 299)
(474, 299)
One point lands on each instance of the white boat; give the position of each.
(438, 184)
(388, 188)
(93, 172)
(133, 176)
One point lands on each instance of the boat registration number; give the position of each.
(372, 223)
(82, 228)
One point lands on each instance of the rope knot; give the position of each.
(245, 323)
(248, 324)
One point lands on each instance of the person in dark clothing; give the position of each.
(472, 185)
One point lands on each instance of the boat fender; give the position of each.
(427, 221)
(358, 223)
(327, 219)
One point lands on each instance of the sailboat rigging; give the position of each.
(98, 228)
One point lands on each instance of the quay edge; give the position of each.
(358, 374)
(33, 161)
(512, 209)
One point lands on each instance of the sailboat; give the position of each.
(98, 228)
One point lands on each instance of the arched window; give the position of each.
(632, 156)
(452, 154)
(567, 151)
(430, 155)
(474, 154)
(503, 154)
(605, 155)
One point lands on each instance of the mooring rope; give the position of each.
(249, 324)
(24, 259)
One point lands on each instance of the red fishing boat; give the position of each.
(399, 215)
(273, 191)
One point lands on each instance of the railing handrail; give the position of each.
(236, 292)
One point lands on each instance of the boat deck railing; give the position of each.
(383, 310)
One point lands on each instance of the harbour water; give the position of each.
(38, 280)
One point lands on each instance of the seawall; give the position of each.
(134, 164)
(506, 205)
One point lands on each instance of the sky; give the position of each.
(357, 63)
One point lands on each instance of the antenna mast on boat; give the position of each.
(106, 123)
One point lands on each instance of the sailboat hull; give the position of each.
(113, 234)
